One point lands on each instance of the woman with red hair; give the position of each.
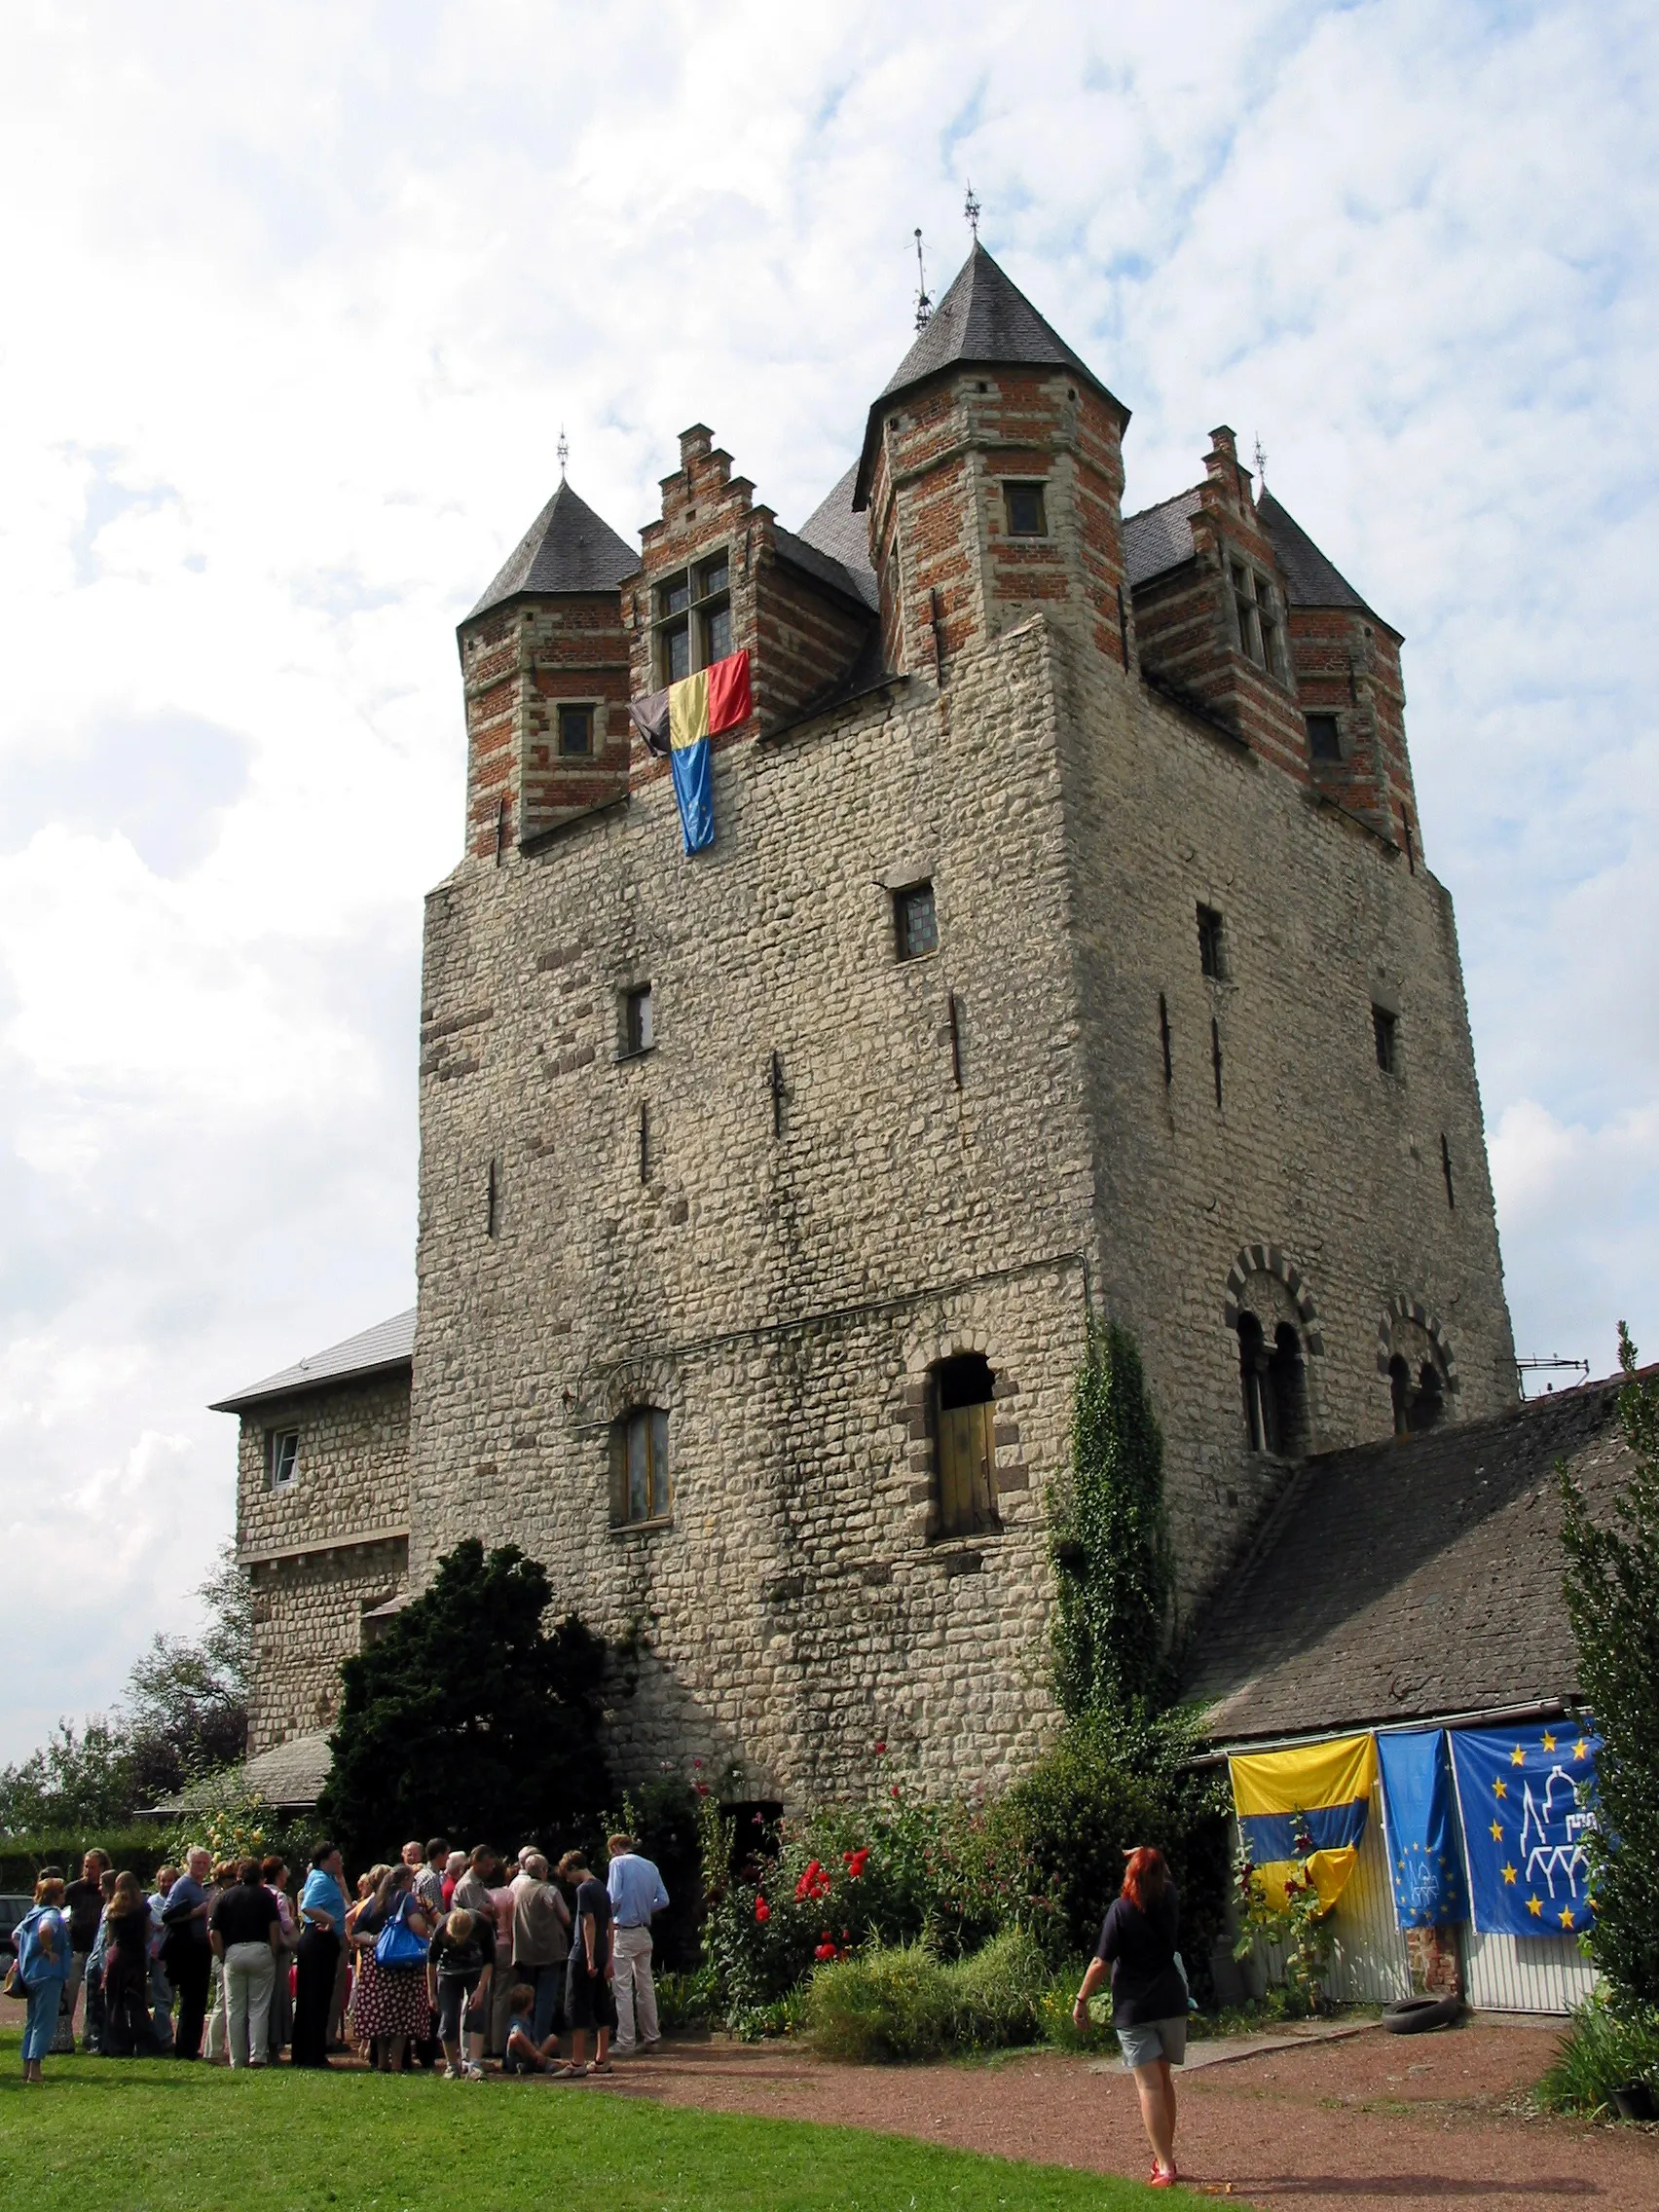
(1149, 1995)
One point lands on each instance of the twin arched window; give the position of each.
(1274, 1388)
(1418, 1404)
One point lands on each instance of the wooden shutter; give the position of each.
(966, 1460)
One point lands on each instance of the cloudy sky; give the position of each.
(297, 301)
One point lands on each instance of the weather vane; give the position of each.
(924, 306)
(1261, 463)
(563, 450)
(970, 211)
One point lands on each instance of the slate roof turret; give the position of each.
(985, 321)
(568, 547)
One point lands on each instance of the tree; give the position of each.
(1612, 1602)
(77, 1778)
(185, 1708)
(468, 1716)
(1110, 1540)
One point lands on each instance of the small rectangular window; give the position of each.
(717, 634)
(576, 732)
(639, 1030)
(1025, 511)
(674, 597)
(915, 922)
(675, 652)
(1385, 1029)
(1324, 738)
(713, 576)
(1209, 943)
(640, 1489)
(282, 1449)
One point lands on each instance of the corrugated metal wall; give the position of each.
(1371, 1966)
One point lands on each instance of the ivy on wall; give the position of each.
(1108, 1535)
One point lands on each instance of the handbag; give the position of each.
(14, 1986)
(398, 1944)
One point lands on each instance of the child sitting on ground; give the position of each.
(524, 2054)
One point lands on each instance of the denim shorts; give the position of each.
(1152, 2039)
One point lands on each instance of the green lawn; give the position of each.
(146, 2135)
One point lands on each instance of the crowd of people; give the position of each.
(447, 1960)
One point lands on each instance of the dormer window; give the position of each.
(1256, 618)
(693, 618)
(1026, 515)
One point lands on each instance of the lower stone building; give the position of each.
(877, 947)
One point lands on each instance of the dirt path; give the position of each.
(1407, 2124)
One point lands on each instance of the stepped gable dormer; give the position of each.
(1239, 612)
(992, 480)
(721, 576)
(545, 663)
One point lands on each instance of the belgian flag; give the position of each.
(676, 725)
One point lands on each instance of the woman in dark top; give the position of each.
(1137, 1949)
(127, 2032)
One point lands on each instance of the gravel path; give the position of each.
(1406, 2123)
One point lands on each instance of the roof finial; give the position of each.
(970, 211)
(924, 306)
(1260, 463)
(563, 450)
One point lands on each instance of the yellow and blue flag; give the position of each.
(1305, 1808)
(1422, 1846)
(1524, 1824)
(677, 725)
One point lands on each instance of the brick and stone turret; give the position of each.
(545, 663)
(993, 475)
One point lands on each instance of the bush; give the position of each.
(999, 1995)
(139, 1850)
(1598, 2054)
(894, 2002)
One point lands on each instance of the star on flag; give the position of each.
(1581, 1749)
(1535, 1906)
(1548, 1743)
(1495, 1832)
(1501, 1787)
(1509, 1874)
(1567, 1916)
(1517, 1757)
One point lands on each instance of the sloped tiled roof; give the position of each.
(290, 1776)
(387, 1344)
(1312, 579)
(833, 529)
(983, 318)
(1410, 1579)
(568, 547)
(1161, 537)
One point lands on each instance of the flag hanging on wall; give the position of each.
(1524, 1826)
(1306, 1806)
(676, 725)
(1422, 1849)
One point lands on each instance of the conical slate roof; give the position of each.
(568, 547)
(984, 318)
(1313, 579)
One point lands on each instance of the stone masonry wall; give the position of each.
(964, 1147)
(313, 1576)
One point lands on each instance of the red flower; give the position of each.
(881, 1751)
(856, 1862)
(895, 1790)
(824, 1950)
(702, 1789)
(763, 1911)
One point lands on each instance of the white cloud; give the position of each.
(310, 295)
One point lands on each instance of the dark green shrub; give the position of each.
(893, 2002)
(469, 1718)
(1612, 1601)
(1598, 2054)
(139, 1850)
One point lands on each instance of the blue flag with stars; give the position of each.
(1523, 1825)
(1422, 1848)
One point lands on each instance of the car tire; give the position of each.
(1412, 2015)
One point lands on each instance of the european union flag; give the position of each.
(1422, 1849)
(1524, 1826)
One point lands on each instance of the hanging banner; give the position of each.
(1306, 1807)
(1422, 1846)
(1524, 1826)
(676, 725)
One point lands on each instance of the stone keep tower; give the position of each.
(1066, 942)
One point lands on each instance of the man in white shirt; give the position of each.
(636, 1894)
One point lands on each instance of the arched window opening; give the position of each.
(1261, 1414)
(1287, 1388)
(1430, 1398)
(640, 1489)
(1401, 1392)
(964, 1424)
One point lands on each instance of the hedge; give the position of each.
(140, 1849)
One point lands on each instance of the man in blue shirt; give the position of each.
(322, 1914)
(635, 1893)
